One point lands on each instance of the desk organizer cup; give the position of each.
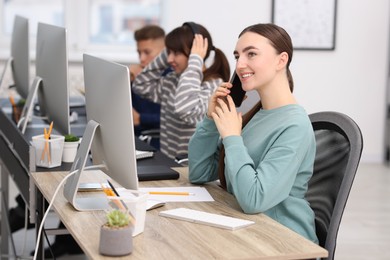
(135, 202)
(48, 153)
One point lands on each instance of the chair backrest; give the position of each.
(339, 146)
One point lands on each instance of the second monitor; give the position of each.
(109, 132)
(50, 84)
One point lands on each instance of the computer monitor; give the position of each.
(19, 61)
(51, 81)
(109, 132)
(20, 56)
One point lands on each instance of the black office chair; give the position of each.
(339, 147)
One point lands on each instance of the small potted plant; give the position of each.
(116, 235)
(70, 148)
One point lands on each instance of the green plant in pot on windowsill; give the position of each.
(71, 145)
(116, 235)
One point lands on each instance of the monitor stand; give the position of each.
(72, 184)
(7, 66)
(28, 107)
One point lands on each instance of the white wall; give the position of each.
(352, 79)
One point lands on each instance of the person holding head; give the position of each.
(264, 158)
(146, 114)
(184, 91)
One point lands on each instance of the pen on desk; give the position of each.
(181, 193)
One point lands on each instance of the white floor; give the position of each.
(364, 232)
(365, 229)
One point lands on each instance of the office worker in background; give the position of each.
(183, 93)
(146, 114)
(266, 164)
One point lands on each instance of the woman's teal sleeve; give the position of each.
(203, 153)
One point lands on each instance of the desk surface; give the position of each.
(165, 238)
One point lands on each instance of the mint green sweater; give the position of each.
(267, 168)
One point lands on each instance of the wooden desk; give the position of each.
(165, 238)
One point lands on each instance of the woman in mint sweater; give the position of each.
(265, 158)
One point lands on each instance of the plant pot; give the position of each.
(116, 241)
(70, 151)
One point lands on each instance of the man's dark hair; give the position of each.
(149, 32)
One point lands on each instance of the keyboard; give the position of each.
(205, 218)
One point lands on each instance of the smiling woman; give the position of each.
(265, 158)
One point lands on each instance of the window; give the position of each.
(103, 27)
(115, 22)
(50, 11)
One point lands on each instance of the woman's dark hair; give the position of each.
(180, 40)
(281, 41)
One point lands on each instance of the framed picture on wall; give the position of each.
(311, 24)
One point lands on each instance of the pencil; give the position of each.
(12, 100)
(47, 141)
(110, 193)
(181, 193)
(123, 205)
(116, 194)
(46, 147)
(50, 129)
(113, 188)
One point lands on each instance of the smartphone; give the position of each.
(236, 92)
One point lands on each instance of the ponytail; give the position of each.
(219, 69)
(290, 80)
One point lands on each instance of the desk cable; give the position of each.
(52, 201)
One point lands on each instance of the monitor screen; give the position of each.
(52, 68)
(20, 65)
(108, 102)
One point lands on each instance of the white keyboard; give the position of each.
(205, 218)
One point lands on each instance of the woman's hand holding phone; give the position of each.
(226, 118)
(237, 93)
(220, 93)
